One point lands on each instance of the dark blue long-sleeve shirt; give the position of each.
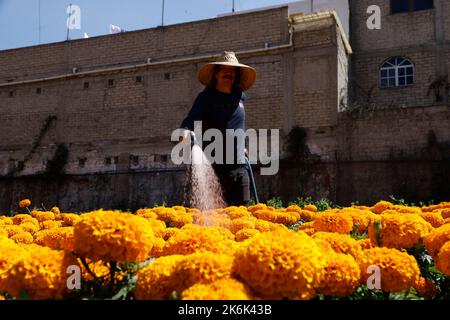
(220, 111)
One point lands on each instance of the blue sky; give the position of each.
(19, 19)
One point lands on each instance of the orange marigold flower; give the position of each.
(342, 276)
(24, 203)
(407, 210)
(287, 218)
(4, 221)
(242, 223)
(244, 234)
(70, 219)
(310, 207)
(170, 232)
(399, 231)
(239, 213)
(223, 289)
(158, 227)
(380, 206)
(443, 261)
(158, 280)
(12, 230)
(445, 213)
(305, 215)
(262, 225)
(23, 237)
(51, 224)
(43, 215)
(158, 247)
(434, 218)
(21, 218)
(146, 213)
(111, 236)
(29, 227)
(55, 210)
(399, 270)
(333, 222)
(309, 231)
(198, 239)
(256, 207)
(98, 268)
(361, 218)
(213, 220)
(203, 267)
(340, 243)
(10, 253)
(365, 244)
(180, 209)
(282, 264)
(58, 238)
(425, 287)
(265, 214)
(42, 274)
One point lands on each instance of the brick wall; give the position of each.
(409, 35)
(248, 31)
(400, 29)
(393, 134)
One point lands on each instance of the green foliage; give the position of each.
(428, 271)
(356, 235)
(275, 202)
(109, 287)
(162, 204)
(44, 129)
(403, 202)
(296, 226)
(322, 204)
(55, 166)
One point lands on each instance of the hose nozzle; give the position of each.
(193, 139)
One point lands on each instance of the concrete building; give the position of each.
(102, 109)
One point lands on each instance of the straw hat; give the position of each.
(248, 74)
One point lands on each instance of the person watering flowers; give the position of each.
(221, 106)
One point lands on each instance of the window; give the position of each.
(38, 90)
(86, 85)
(398, 6)
(396, 72)
(111, 83)
(81, 162)
(138, 79)
(135, 160)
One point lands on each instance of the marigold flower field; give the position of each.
(238, 253)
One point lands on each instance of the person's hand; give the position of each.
(185, 136)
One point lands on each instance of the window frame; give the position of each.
(396, 67)
(411, 5)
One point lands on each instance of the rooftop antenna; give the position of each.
(312, 5)
(39, 20)
(162, 14)
(232, 10)
(68, 26)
